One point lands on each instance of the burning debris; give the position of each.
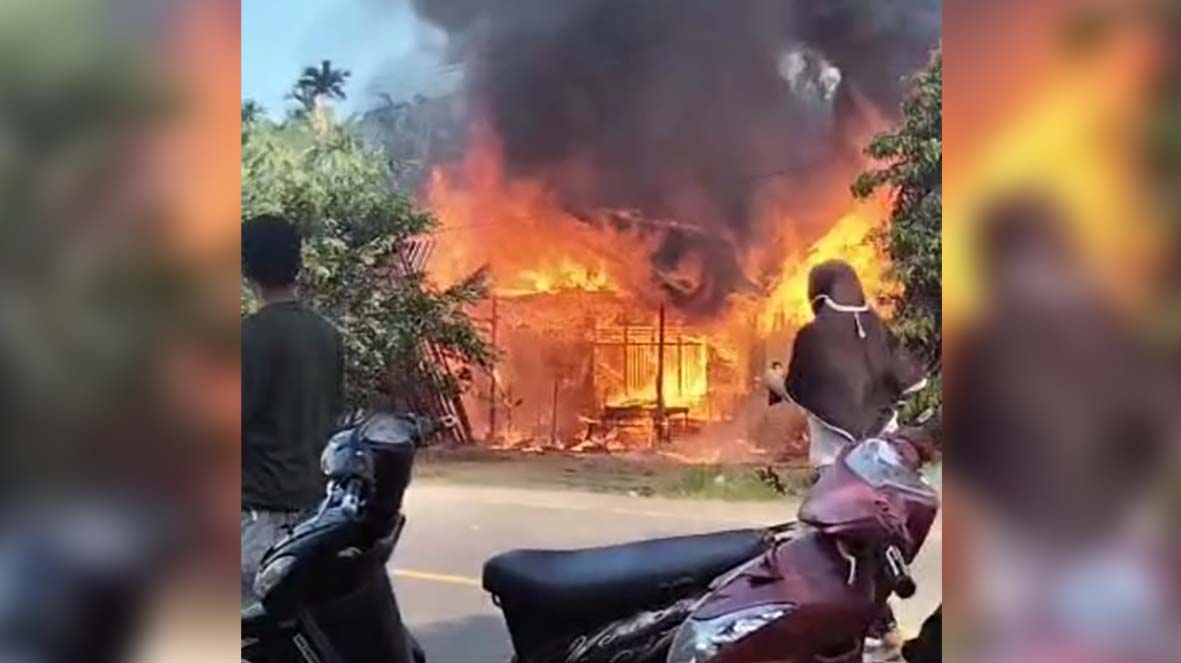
(578, 318)
(648, 184)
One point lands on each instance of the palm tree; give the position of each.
(316, 83)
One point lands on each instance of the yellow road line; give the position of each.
(437, 577)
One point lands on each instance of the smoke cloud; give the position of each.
(687, 109)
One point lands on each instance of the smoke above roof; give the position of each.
(687, 109)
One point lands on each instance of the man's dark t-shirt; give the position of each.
(292, 382)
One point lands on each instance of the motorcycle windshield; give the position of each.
(879, 464)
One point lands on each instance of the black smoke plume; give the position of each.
(687, 109)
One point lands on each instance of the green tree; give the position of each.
(910, 165)
(356, 227)
(252, 111)
(317, 83)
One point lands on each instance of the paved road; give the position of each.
(452, 529)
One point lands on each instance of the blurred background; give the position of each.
(1062, 240)
(119, 151)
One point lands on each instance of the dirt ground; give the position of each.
(642, 474)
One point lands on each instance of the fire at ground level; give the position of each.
(597, 350)
(618, 331)
(595, 372)
(586, 366)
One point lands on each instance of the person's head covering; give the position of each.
(834, 281)
(847, 369)
(834, 284)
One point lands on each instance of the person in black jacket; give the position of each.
(847, 371)
(292, 391)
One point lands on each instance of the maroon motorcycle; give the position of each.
(804, 592)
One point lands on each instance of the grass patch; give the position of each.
(722, 482)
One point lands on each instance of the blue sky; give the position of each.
(381, 41)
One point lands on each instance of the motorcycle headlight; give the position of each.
(698, 641)
(272, 574)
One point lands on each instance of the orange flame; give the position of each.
(517, 229)
(850, 239)
(582, 284)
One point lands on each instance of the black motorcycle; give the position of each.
(325, 595)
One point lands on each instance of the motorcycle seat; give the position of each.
(603, 583)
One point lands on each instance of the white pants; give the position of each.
(826, 442)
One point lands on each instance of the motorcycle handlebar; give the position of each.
(899, 572)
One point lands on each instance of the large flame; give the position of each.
(572, 284)
(516, 229)
(852, 239)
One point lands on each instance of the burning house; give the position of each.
(609, 373)
(647, 185)
(599, 349)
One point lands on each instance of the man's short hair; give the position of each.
(270, 251)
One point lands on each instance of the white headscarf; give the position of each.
(845, 308)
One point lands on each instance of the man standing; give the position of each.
(292, 390)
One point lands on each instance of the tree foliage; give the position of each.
(911, 166)
(252, 111)
(910, 159)
(355, 225)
